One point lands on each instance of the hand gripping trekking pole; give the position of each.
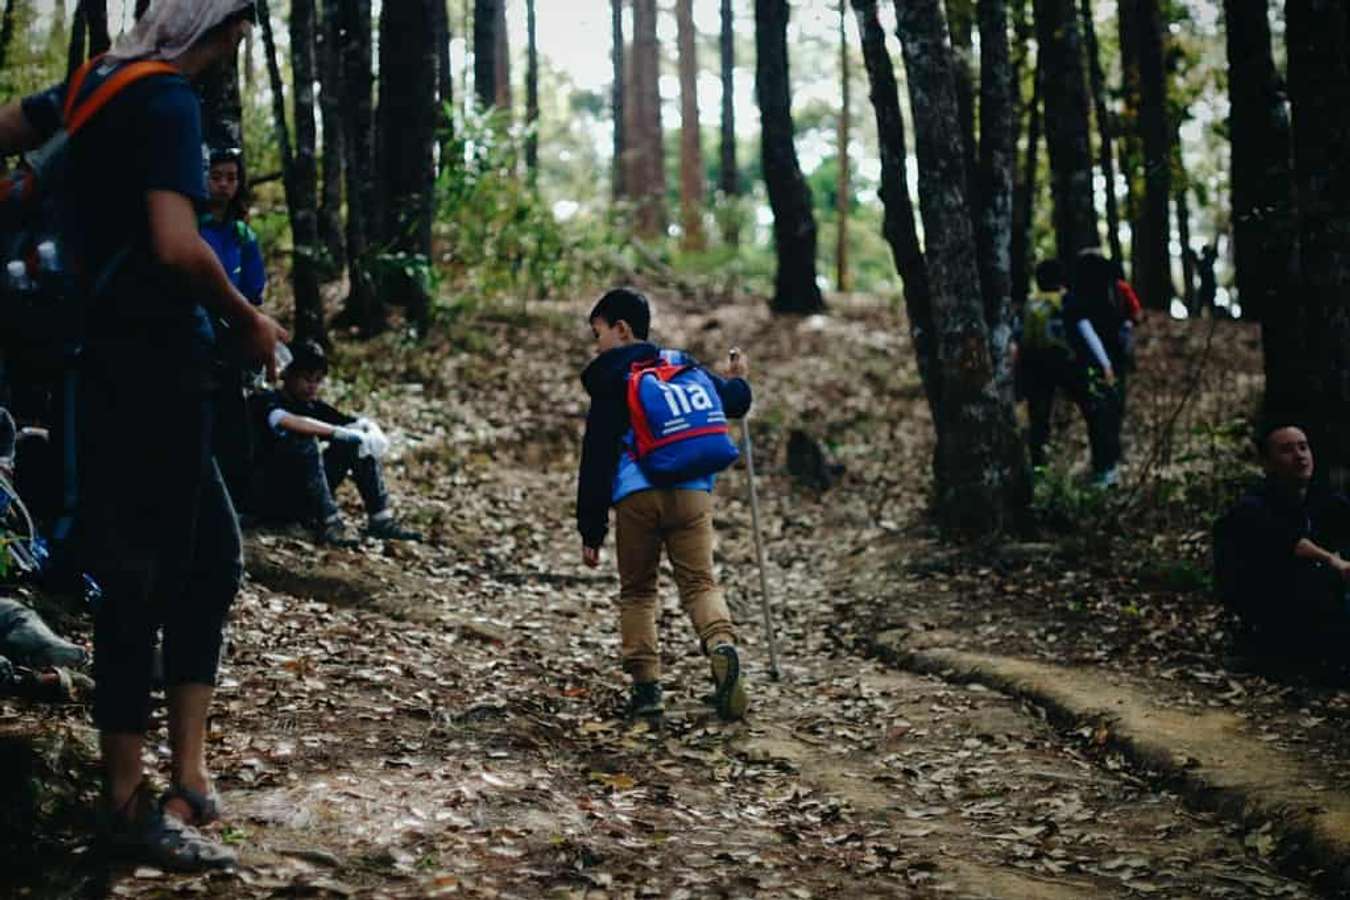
(774, 672)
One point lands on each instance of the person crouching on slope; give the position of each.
(651, 513)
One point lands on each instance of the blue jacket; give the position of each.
(608, 471)
(236, 247)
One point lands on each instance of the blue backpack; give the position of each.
(680, 428)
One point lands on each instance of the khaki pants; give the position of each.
(681, 521)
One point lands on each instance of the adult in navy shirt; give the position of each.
(157, 528)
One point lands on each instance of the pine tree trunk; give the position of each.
(619, 188)
(961, 26)
(502, 61)
(794, 224)
(1153, 275)
(998, 159)
(1131, 146)
(899, 225)
(980, 468)
(96, 20)
(363, 308)
(1026, 197)
(330, 106)
(731, 176)
(649, 187)
(1317, 37)
(485, 52)
(408, 158)
(1264, 224)
(1064, 92)
(1105, 146)
(445, 81)
(844, 189)
(531, 92)
(691, 136)
(1181, 192)
(298, 168)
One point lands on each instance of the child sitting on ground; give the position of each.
(648, 517)
(295, 479)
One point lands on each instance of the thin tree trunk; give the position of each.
(1154, 275)
(250, 65)
(1026, 197)
(330, 105)
(7, 31)
(1131, 146)
(619, 188)
(843, 193)
(485, 52)
(980, 468)
(691, 136)
(298, 168)
(445, 81)
(363, 309)
(731, 176)
(96, 20)
(502, 61)
(898, 226)
(998, 159)
(1318, 41)
(1264, 224)
(222, 107)
(1105, 146)
(794, 224)
(531, 92)
(1181, 192)
(961, 26)
(649, 188)
(1067, 128)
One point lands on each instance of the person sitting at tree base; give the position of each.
(295, 478)
(1277, 556)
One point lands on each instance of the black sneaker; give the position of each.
(644, 700)
(730, 697)
(388, 529)
(334, 533)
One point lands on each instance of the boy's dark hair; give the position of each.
(1049, 274)
(624, 305)
(1270, 425)
(307, 357)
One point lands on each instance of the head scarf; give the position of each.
(170, 27)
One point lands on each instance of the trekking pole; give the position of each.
(774, 672)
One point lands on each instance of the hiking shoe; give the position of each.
(334, 533)
(388, 529)
(730, 698)
(149, 836)
(644, 700)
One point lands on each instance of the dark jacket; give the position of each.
(607, 423)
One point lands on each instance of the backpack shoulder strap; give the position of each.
(79, 112)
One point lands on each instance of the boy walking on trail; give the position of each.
(678, 517)
(296, 479)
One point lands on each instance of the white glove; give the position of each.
(348, 436)
(373, 440)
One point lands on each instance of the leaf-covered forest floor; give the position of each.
(444, 719)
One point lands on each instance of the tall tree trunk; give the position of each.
(1154, 273)
(617, 112)
(980, 468)
(794, 225)
(363, 309)
(330, 107)
(1317, 37)
(1264, 225)
(1026, 197)
(531, 92)
(79, 32)
(731, 175)
(1105, 147)
(844, 188)
(998, 159)
(7, 31)
(649, 188)
(1064, 91)
(298, 168)
(502, 61)
(96, 20)
(408, 158)
(485, 52)
(1181, 195)
(691, 136)
(898, 226)
(961, 26)
(222, 107)
(1131, 145)
(445, 80)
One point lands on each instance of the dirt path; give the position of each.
(443, 719)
